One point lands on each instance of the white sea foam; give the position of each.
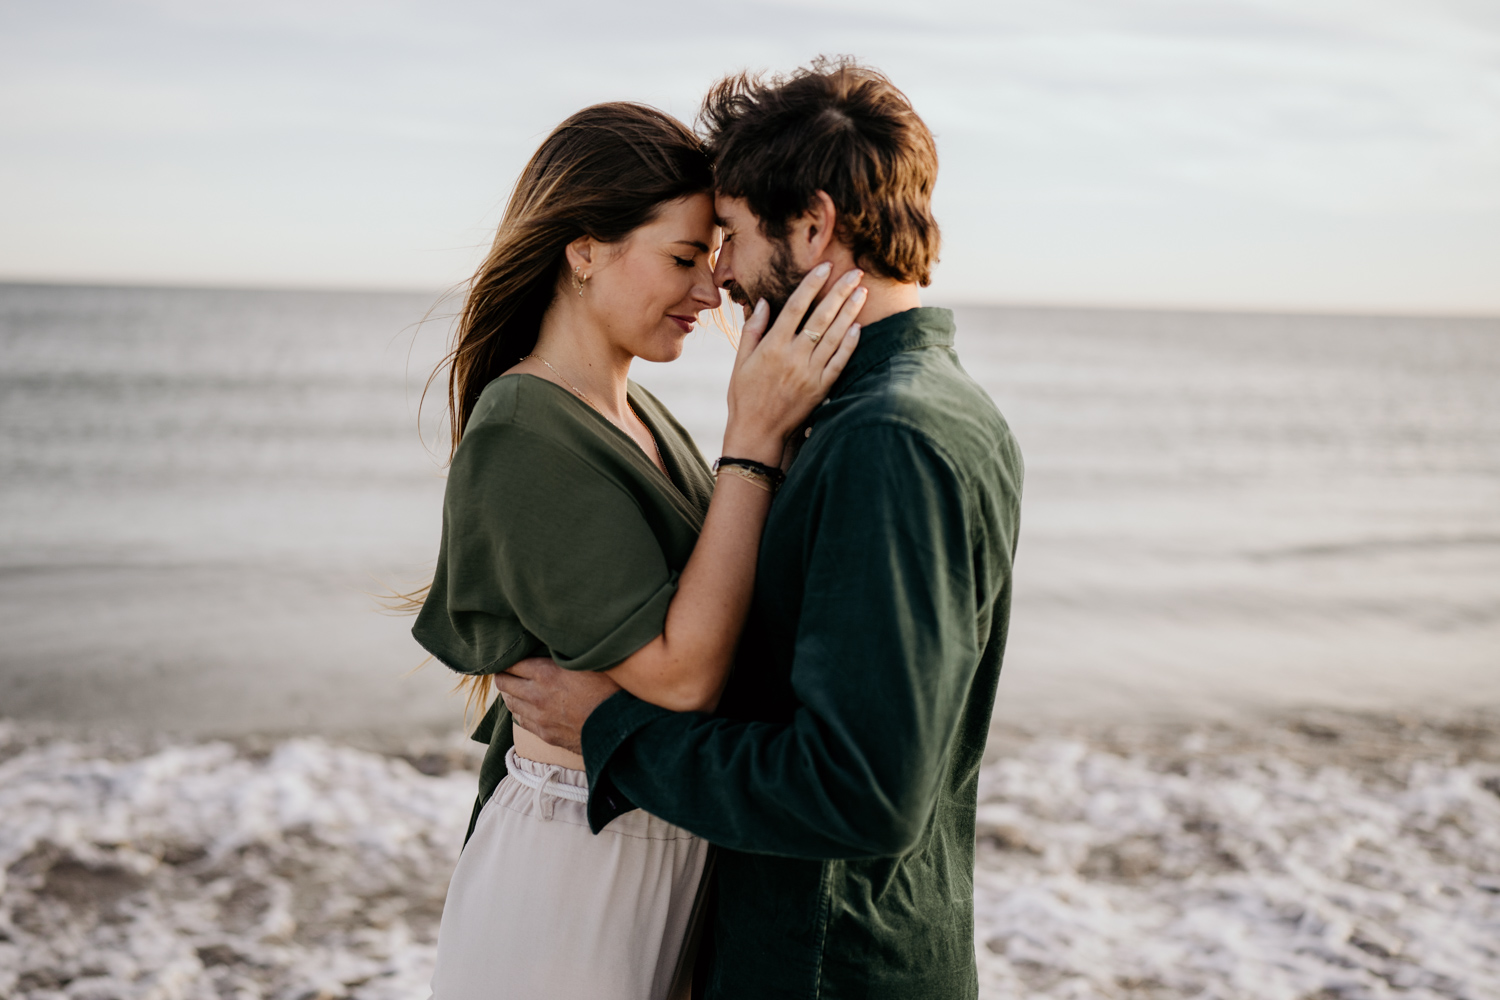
(204, 871)
(1242, 876)
(1175, 870)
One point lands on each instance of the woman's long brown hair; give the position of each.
(603, 172)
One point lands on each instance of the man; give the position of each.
(839, 776)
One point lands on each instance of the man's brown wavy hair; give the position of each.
(837, 127)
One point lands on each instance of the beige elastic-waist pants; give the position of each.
(541, 909)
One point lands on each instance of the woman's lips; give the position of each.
(686, 322)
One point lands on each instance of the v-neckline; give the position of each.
(635, 446)
(655, 441)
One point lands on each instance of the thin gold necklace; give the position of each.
(585, 397)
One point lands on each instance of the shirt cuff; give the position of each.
(617, 719)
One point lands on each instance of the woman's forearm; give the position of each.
(685, 668)
(778, 378)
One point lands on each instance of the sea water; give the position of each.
(200, 490)
(1230, 522)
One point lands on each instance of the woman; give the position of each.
(581, 522)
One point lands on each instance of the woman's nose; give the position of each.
(706, 293)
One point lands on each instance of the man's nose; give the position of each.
(723, 273)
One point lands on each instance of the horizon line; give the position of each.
(953, 302)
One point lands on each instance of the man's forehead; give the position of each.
(729, 210)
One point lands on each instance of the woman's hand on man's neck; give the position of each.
(884, 297)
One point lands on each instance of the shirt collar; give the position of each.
(910, 330)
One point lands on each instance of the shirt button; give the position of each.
(807, 433)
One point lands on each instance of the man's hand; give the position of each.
(551, 702)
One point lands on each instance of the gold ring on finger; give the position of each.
(813, 336)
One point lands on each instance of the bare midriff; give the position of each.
(533, 747)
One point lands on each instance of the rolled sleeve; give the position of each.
(540, 553)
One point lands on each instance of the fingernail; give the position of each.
(853, 277)
(853, 331)
(760, 307)
(860, 293)
(822, 269)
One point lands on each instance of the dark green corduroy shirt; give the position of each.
(839, 777)
(560, 538)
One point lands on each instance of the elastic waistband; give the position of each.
(548, 779)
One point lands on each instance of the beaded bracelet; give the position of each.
(773, 475)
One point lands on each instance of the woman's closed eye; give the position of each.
(683, 261)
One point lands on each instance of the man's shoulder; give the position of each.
(926, 394)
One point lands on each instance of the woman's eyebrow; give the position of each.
(697, 245)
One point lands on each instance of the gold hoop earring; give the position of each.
(579, 280)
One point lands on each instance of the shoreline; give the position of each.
(1308, 734)
(1358, 739)
(1318, 853)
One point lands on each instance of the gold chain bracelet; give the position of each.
(749, 475)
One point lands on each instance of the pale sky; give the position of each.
(1274, 154)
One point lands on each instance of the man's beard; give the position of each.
(776, 285)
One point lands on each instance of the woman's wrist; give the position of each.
(754, 484)
(759, 474)
(756, 447)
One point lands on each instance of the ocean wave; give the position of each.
(1308, 859)
(1280, 867)
(207, 870)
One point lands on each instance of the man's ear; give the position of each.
(817, 228)
(581, 253)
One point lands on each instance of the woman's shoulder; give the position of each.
(518, 398)
(533, 405)
(525, 418)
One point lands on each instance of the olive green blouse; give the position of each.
(560, 538)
